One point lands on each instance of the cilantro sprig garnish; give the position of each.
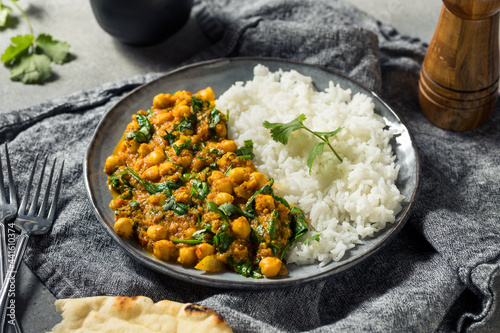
(29, 58)
(280, 133)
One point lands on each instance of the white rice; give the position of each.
(345, 201)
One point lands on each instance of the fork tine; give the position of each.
(34, 203)
(12, 189)
(47, 191)
(22, 206)
(2, 188)
(52, 210)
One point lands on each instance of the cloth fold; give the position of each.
(436, 275)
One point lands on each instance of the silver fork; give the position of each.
(8, 210)
(36, 221)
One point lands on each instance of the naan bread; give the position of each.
(135, 314)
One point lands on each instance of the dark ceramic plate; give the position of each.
(220, 75)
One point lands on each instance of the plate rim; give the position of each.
(209, 280)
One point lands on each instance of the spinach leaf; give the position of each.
(189, 241)
(244, 268)
(271, 225)
(230, 209)
(222, 241)
(268, 188)
(212, 206)
(299, 227)
(165, 186)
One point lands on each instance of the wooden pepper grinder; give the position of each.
(458, 85)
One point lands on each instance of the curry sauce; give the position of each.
(188, 194)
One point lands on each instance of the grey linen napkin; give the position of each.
(436, 275)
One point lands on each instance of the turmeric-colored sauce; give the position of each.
(187, 194)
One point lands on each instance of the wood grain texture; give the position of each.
(459, 80)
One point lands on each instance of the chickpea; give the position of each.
(238, 175)
(241, 227)
(227, 146)
(221, 130)
(162, 101)
(183, 195)
(143, 150)
(182, 111)
(167, 168)
(187, 256)
(157, 232)
(264, 202)
(215, 176)
(223, 185)
(270, 266)
(222, 198)
(162, 118)
(260, 177)
(203, 250)
(156, 157)
(124, 226)
(165, 250)
(112, 162)
(132, 145)
(185, 160)
(151, 173)
(206, 94)
(225, 160)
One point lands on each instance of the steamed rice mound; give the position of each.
(345, 201)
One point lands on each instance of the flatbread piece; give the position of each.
(135, 314)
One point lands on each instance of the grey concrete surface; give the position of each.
(98, 58)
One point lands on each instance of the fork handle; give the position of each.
(22, 242)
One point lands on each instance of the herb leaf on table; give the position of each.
(29, 58)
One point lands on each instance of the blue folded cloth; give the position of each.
(436, 275)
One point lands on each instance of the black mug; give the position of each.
(141, 22)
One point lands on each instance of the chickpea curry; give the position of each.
(187, 194)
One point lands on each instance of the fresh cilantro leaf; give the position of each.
(170, 136)
(19, 46)
(246, 152)
(197, 104)
(134, 204)
(4, 14)
(280, 133)
(199, 189)
(177, 207)
(34, 68)
(56, 50)
(145, 131)
(184, 145)
(214, 119)
(314, 237)
(317, 150)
